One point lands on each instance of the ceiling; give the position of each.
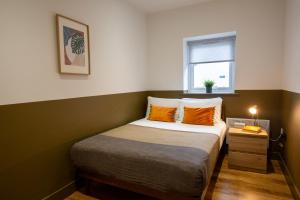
(151, 6)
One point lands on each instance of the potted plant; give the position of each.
(208, 85)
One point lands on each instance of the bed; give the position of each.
(158, 159)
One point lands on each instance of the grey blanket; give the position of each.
(165, 160)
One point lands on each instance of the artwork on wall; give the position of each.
(73, 46)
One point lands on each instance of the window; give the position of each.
(210, 57)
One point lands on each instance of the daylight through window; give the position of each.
(210, 58)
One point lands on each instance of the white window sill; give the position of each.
(213, 93)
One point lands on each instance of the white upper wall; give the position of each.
(291, 68)
(118, 39)
(151, 6)
(260, 29)
(29, 61)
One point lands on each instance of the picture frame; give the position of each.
(73, 46)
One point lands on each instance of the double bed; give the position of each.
(159, 159)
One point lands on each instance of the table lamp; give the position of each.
(255, 128)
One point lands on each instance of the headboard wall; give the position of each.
(236, 105)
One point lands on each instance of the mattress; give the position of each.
(218, 129)
(158, 158)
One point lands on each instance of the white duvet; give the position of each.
(218, 129)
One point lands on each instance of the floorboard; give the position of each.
(226, 184)
(79, 196)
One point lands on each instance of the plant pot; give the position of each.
(208, 89)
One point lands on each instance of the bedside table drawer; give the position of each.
(247, 161)
(248, 144)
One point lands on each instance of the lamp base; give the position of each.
(253, 129)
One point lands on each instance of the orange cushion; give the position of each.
(199, 116)
(164, 114)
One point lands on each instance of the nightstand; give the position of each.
(248, 151)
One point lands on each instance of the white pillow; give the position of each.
(202, 103)
(164, 103)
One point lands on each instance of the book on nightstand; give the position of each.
(253, 129)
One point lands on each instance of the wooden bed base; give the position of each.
(90, 177)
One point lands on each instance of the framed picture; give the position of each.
(73, 46)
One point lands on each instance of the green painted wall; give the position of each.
(35, 139)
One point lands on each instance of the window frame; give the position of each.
(188, 68)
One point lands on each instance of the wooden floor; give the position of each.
(226, 184)
(79, 196)
(231, 184)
